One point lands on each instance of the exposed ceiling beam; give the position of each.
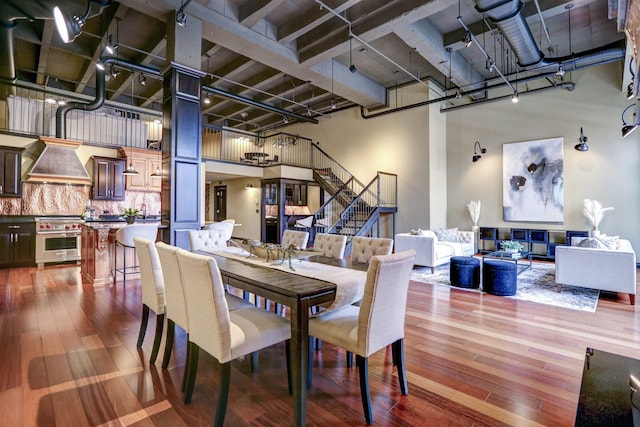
(47, 35)
(252, 12)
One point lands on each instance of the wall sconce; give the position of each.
(583, 142)
(249, 185)
(476, 148)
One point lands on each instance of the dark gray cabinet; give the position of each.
(17, 244)
(108, 180)
(10, 172)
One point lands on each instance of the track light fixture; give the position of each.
(560, 72)
(113, 72)
(352, 67)
(515, 97)
(583, 142)
(181, 17)
(333, 104)
(69, 29)
(142, 79)
(285, 119)
(206, 100)
(628, 128)
(467, 39)
(476, 155)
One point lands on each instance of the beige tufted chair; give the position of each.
(331, 245)
(299, 238)
(377, 323)
(152, 287)
(224, 334)
(207, 239)
(225, 227)
(363, 248)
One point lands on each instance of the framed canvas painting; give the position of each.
(533, 181)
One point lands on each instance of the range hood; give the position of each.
(59, 163)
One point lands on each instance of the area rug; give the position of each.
(537, 284)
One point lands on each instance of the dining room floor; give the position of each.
(69, 358)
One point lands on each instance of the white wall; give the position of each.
(608, 172)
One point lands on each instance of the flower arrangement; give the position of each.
(474, 211)
(511, 246)
(593, 212)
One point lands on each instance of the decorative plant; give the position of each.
(474, 211)
(593, 212)
(511, 245)
(128, 212)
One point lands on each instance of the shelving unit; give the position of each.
(541, 243)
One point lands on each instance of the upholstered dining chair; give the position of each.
(224, 334)
(224, 227)
(330, 245)
(363, 248)
(152, 287)
(176, 309)
(375, 324)
(124, 238)
(293, 237)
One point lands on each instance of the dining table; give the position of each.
(279, 283)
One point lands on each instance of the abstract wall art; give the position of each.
(533, 181)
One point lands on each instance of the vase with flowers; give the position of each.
(593, 213)
(511, 246)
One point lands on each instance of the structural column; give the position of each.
(182, 137)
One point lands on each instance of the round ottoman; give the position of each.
(499, 277)
(464, 272)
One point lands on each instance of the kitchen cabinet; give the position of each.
(10, 172)
(17, 244)
(145, 162)
(108, 180)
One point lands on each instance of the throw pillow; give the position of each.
(447, 234)
(592, 243)
(415, 232)
(428, 233)
(610, 242)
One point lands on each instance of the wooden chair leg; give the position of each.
(349, 359)
(310, 365)
(223, 395)
(363, 366)
(158, 338)
(168, 343)
(185, 375)
(143, 325)
(191, 369)
(287, 346)
(397, 349)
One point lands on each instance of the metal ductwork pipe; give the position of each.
(7, 64)
(507, 15)
(61, 113)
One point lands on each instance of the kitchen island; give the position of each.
(97, 251)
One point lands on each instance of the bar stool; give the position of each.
(124, 238)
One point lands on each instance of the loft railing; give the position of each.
(30, 111)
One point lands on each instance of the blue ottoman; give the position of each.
(499, 277)
(464, 272)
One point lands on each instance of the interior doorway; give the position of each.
(220, 205)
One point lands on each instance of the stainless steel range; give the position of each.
(58, 239)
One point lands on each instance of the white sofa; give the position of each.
(607, 270)
(431, 252)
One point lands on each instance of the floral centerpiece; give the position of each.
(130, 215)
(274, 252)
(511, 246)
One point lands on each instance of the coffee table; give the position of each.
(512, 257)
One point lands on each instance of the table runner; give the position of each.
(349, 283)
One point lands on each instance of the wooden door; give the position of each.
(220, 205)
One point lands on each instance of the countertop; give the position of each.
(6, 219)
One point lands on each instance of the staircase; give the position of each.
(353, 208)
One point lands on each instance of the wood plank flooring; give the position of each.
(68, 357)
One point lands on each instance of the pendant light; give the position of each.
(129, 171)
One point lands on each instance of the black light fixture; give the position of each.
(69, 28)
(476, 148)
(583, 142)
(560, 73)
(181, 17)
(158, 171)
(628, 128)
(285, 119)
(207, 99)
(352, 66)
(467, 39)
(129, 135)
(142, 79)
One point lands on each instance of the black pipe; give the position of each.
(8, 68)
(262, 106)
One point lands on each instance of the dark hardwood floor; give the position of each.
(68, 357)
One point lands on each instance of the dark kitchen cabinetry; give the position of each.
(10, 172)
(108, 180)
(17, 244)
